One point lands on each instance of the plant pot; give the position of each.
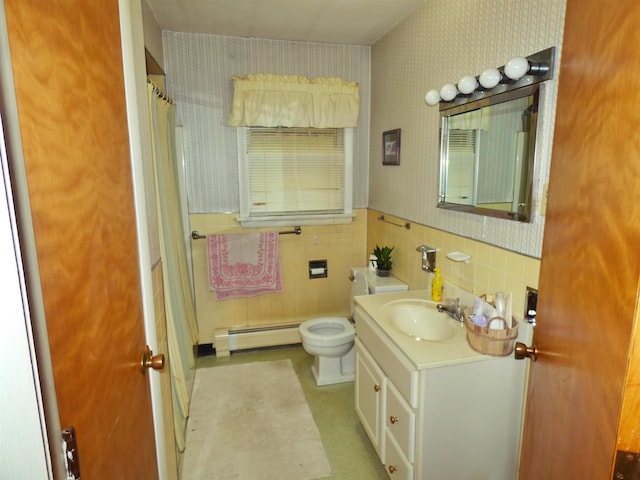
(382, 272)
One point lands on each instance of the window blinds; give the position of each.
(295, 170)
(461, 169)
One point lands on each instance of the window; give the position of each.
(301, 175)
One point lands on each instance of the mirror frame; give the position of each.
(521, 216)
(506, 90)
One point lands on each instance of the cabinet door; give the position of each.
(370, 396)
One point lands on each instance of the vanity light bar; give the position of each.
(517, 72)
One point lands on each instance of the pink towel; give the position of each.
(244, 265)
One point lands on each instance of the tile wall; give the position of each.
(343, 246)
(491, 268)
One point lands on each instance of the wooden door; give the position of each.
(591, 254)
(67, 62)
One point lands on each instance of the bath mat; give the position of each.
(251, 421)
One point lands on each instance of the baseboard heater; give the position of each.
(227, 341)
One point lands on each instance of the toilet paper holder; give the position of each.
(318, 269)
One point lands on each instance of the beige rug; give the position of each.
(251, 421)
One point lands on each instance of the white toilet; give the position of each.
(330, 339)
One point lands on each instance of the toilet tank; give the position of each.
(384, 284)
(366, 282)
(359, 282)
(359, 285)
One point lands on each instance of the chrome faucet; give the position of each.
(428, 258)
(453, 309)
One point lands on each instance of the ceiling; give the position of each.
(348, 22)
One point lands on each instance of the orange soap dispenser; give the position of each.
(437, 286)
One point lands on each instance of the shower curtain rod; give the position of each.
(159, 92)
(297, 230)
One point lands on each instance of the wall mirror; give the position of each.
(488, 137)
(487, 154)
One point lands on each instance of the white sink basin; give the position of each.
(420, 319)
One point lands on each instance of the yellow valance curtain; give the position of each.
(262, 100)
(473, 120)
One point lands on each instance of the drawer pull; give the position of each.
(392, 468)
(393, 419)
(377, 388)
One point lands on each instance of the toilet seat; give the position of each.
(327, 331)
(331, 339)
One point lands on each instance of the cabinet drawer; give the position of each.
(397, 465)
(401, 421)
(390, 359)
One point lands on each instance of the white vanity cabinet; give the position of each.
(387, 417)
(458, 419)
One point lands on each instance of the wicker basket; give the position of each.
(491, 341)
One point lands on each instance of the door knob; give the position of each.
(149, 360)
(522, 351)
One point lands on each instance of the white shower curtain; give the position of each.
(182, 328)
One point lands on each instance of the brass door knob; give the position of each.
(377, 388)
(149, 360)
(393, 469)
(393, 419)
(521, 352)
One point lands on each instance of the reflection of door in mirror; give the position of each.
(501, 151)
(487, 155)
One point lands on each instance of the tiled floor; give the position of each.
(347, 446)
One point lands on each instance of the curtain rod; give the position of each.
(159, 92)
(297, 230)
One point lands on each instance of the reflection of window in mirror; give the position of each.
(461, 169)
(487, 155)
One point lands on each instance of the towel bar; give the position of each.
(406, 225)
(297, 230)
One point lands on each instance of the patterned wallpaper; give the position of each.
(440, 43)
(199, 68)
(437, 44)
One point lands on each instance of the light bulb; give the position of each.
(432, 97)
(448, 92)
(490, 78)
(516, 68)
(467, 84)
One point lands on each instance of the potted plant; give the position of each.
(383, 260)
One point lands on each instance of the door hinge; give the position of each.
(70, 450)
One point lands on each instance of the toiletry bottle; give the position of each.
(500, 304)
(437, 285)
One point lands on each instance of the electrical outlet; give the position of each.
(530, 309)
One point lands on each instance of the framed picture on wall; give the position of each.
(391, 147)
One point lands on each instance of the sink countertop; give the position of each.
(422, 353)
